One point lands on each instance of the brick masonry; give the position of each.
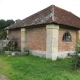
(36, 38)
(66, 46)
(15, 33)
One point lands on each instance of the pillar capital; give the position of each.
(52, 26)
(23, 29)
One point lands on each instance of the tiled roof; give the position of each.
(67, 18)
(51, 14)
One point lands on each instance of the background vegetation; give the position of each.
(4, 24)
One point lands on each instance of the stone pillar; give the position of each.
(7, 33)
(52, 41)
(23, 39)
(78, 35)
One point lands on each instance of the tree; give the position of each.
(2, 24)
(17, 20)
(9, 22)
(6, 23)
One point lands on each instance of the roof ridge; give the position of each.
(52, 9)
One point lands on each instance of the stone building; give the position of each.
(50, 33)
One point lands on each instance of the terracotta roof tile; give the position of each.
(66, 18)
(51, 14)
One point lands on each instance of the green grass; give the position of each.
(35, 68)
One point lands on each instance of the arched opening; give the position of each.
(66, 37)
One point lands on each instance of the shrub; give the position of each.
(18, 49)
(11, 46)
(75, 61)
(27, 51)
(2, 52)
(68, 54)
(76, 57)
(59, 59)
(6, 48)
(3, 34)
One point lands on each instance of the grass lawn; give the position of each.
(35, 68)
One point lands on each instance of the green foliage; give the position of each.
(59, 59)
(2, 24)
(76, 57)
(3, 35)
(27, 51)
(17, 20)
(69, 55)
(18, 49)
(1, 52)
(6, 48)
(75, 61)
(6, 23)
(9, 22)
(11, 46)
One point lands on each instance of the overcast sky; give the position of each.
(20, 9)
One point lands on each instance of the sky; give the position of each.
(20, 9)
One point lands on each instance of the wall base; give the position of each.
(38, 53)
(65, 54)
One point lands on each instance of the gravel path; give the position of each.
(2, 77)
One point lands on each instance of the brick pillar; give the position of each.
(52, 41)
(78, 35)
(23, 39)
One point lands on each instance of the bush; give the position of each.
(27, 51)
(6, 48)
(11, 46)
(75, 61)
(76, 57)
(2, 52)
(18, 49)
(3, 34)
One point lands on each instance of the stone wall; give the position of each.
(3, 43)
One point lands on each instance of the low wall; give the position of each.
(3, 43)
